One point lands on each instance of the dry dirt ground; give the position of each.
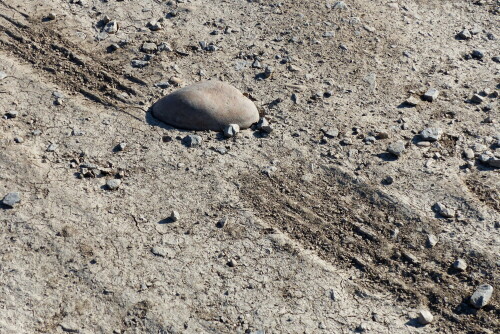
(320, 245)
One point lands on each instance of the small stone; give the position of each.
(477, 54)
(121, 146)
(113, 184)
(3, 75)
(370, 140)
(19, 140)
(464, 34)
(268, 71)
(11, 114)
(162, 85)
(52, 147)
(330, 132)
(476, 98)
(339, 5)
(425, 317)
(270, 170)
(362, 327)
(111, 27)
(139, 63)
(494, 162)
(165, 47)
(329, 34)
(431, 134)
(481, 296)
(396, 148)
(155, 26)
(460, 265)
(264, 126)
(469, 153)
(423, 144)
(443, 210)
(432, 240)
(159, 251)
(412, 101)
(174, 216)
(149, 47)
(496, 59)
(192, 140)
(51, 16)
(431, 95)
(11, 199)
(232, 263)
(223, 222)
(388, 180)
(231, 130)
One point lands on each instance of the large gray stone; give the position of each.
(206, 105)
(481, 296)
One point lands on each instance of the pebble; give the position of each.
(3, 75)
(155, 26)
(425, 317)
(481, 296)
(264, 126)
(19, 140)
(432, 240)
(51, 16)
(339, 5)
(149, 47)
(431, 95)
(431, 134)
(460, 265)
(412, 101)
(494, 162)
(469, 153)
(330, 132)
(396, 148)
(206, 105)
(443, 210)
(269, 171)
(223, 222)
(232, 263)
(165, 47)
(52, 147)
(192, 140)
(111, 27)
(476, 98)
(464, 34)
(11, 199)
(159, 251)
(477, 54)
(121, 146)
(11, 114)
(139, 63)
(174, 216)
(113, 184)
(231, 130)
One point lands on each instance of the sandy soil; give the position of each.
(323, 244)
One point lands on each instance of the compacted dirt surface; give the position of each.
(313, 228)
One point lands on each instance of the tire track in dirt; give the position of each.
(66, 64)
(349, 224)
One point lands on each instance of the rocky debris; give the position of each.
(431, 134)
(477, 54)
(460, 265)
(481, 296)
(493, 162)
(330, 132)
(268, 71)
(431, 95)
(11, 199)
(231, 130)
(192, 140)
(69, 327)
(18, 140)
(165, 47)
(477, 99)
(206, 105)
(444, 211)
(154, 26)
(264, 126)
(174, 216)
(412, 101)
(269, 171)
(396, 148)
(223, 222)
(11, 114)
(52, 147)
(496, 59)
(468, 154)
(425, 317)
(51, 16)
(162, 85)
(3, 75)
(121, 147)
(111, 27)
(339, 5)
(464, 34)
(159, 251)
(410, 257)
(137, 63)
(149, 47)
(432, 240)
(113, 184)
(232, 263)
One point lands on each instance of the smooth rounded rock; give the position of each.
(206, 105)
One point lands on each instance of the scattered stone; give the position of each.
(328, 34)
(370, 140)
(362, 327)
(231, 130)
(162, 85)
(469, 153)
(139, 63)
(494, 162)
(339, 5)
(111, 27)
(410, 257)
(206, 105)
(388, 180)
(121, 146)
(476, 98)
(412, 101)
(18, 140)
(396, 148)
(159, 251)
(113, 184)
(52, 147)
(496, 59)
(264, 126)
(11, 199)
(69, 327)
(443, 210)
(149, 47)
(3, 75)
(432, 240)
(232, 263)
(425, 317)
(269, 171)
(481, 296)
(477, 54)
(464, 34)
(192, 140)
(174, 216)
(11, 114)
(155, 26)
(223, 222)
(330, 132)
(431, 134)
(431, 95)
(268, 71)
(51, 16)
(460, 265)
